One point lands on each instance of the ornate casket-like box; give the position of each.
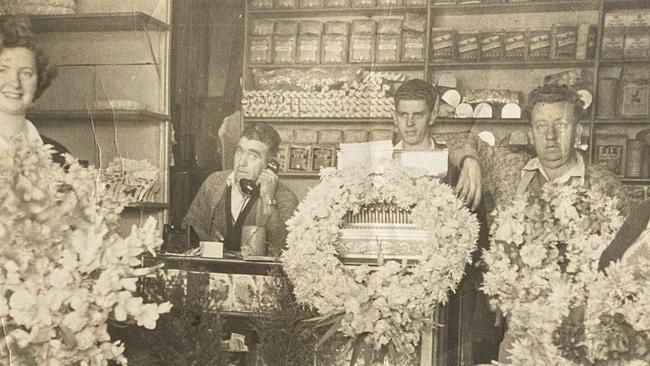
(378, 232)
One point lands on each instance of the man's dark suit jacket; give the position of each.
(635, 224)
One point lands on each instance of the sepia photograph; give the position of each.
(325, 182)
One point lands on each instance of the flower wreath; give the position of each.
(614, 325)
(544, 251)
(63, 270)
(387, 307)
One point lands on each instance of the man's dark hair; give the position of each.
(266, 134)
(416, 89)
(16, 32)
(554, 94)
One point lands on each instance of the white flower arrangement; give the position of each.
(543, 254)
(63, 272)
(613, 328)
(385, 308)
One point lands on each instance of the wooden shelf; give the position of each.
(333, 12)
(482, 121)
(306, 120)
(214, 265)
(623, 121)
(507, 8)
(622, 62)
(639, 181)
(97, 114)
(542, 64)
(308, 175)
(626, 4)
(451, 121)
(98, 22)
(147, 206)
(374, 66)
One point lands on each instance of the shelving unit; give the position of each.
(636, 181)
(97, 22)
(463, 15)
(110, 52)
(619, 124)
(97, 114)
(522, 7)
(374, 66)
(480, 65)
(333, 12)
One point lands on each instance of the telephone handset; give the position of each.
(249, 186)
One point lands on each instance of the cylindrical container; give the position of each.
(645, 167)
(636, 150)
(253, 240)
(607, 101)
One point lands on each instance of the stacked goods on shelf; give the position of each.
(485, 102)
(309, 42)
(259, 42)
(40, 7)
(335, 43)
(318, 93)
(608, 91)
(639, 156)
(362, 41)
(133, 179)
(414, 38)
(476, 103)
(330, 4)
(635, 92)
(308, 151)
(443, 44)
(565, 42)
(626, 35)
(514, 45)
(611, 152)
(504, 104)
(360, 4)
(389, 36)
(636, 151)
(285, 40)
(390, 40)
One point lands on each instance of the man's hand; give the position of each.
(469, 183)
(268, 183)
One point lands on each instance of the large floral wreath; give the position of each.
(543, 254)
(63, 270)
(614, 325)
(386, 307)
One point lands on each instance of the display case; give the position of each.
(110, 98)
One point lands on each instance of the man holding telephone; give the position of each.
(236, 205)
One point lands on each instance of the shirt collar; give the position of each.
(400, 145)
(31, 134)
(577, 171)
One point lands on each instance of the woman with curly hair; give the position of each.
(25, 73)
